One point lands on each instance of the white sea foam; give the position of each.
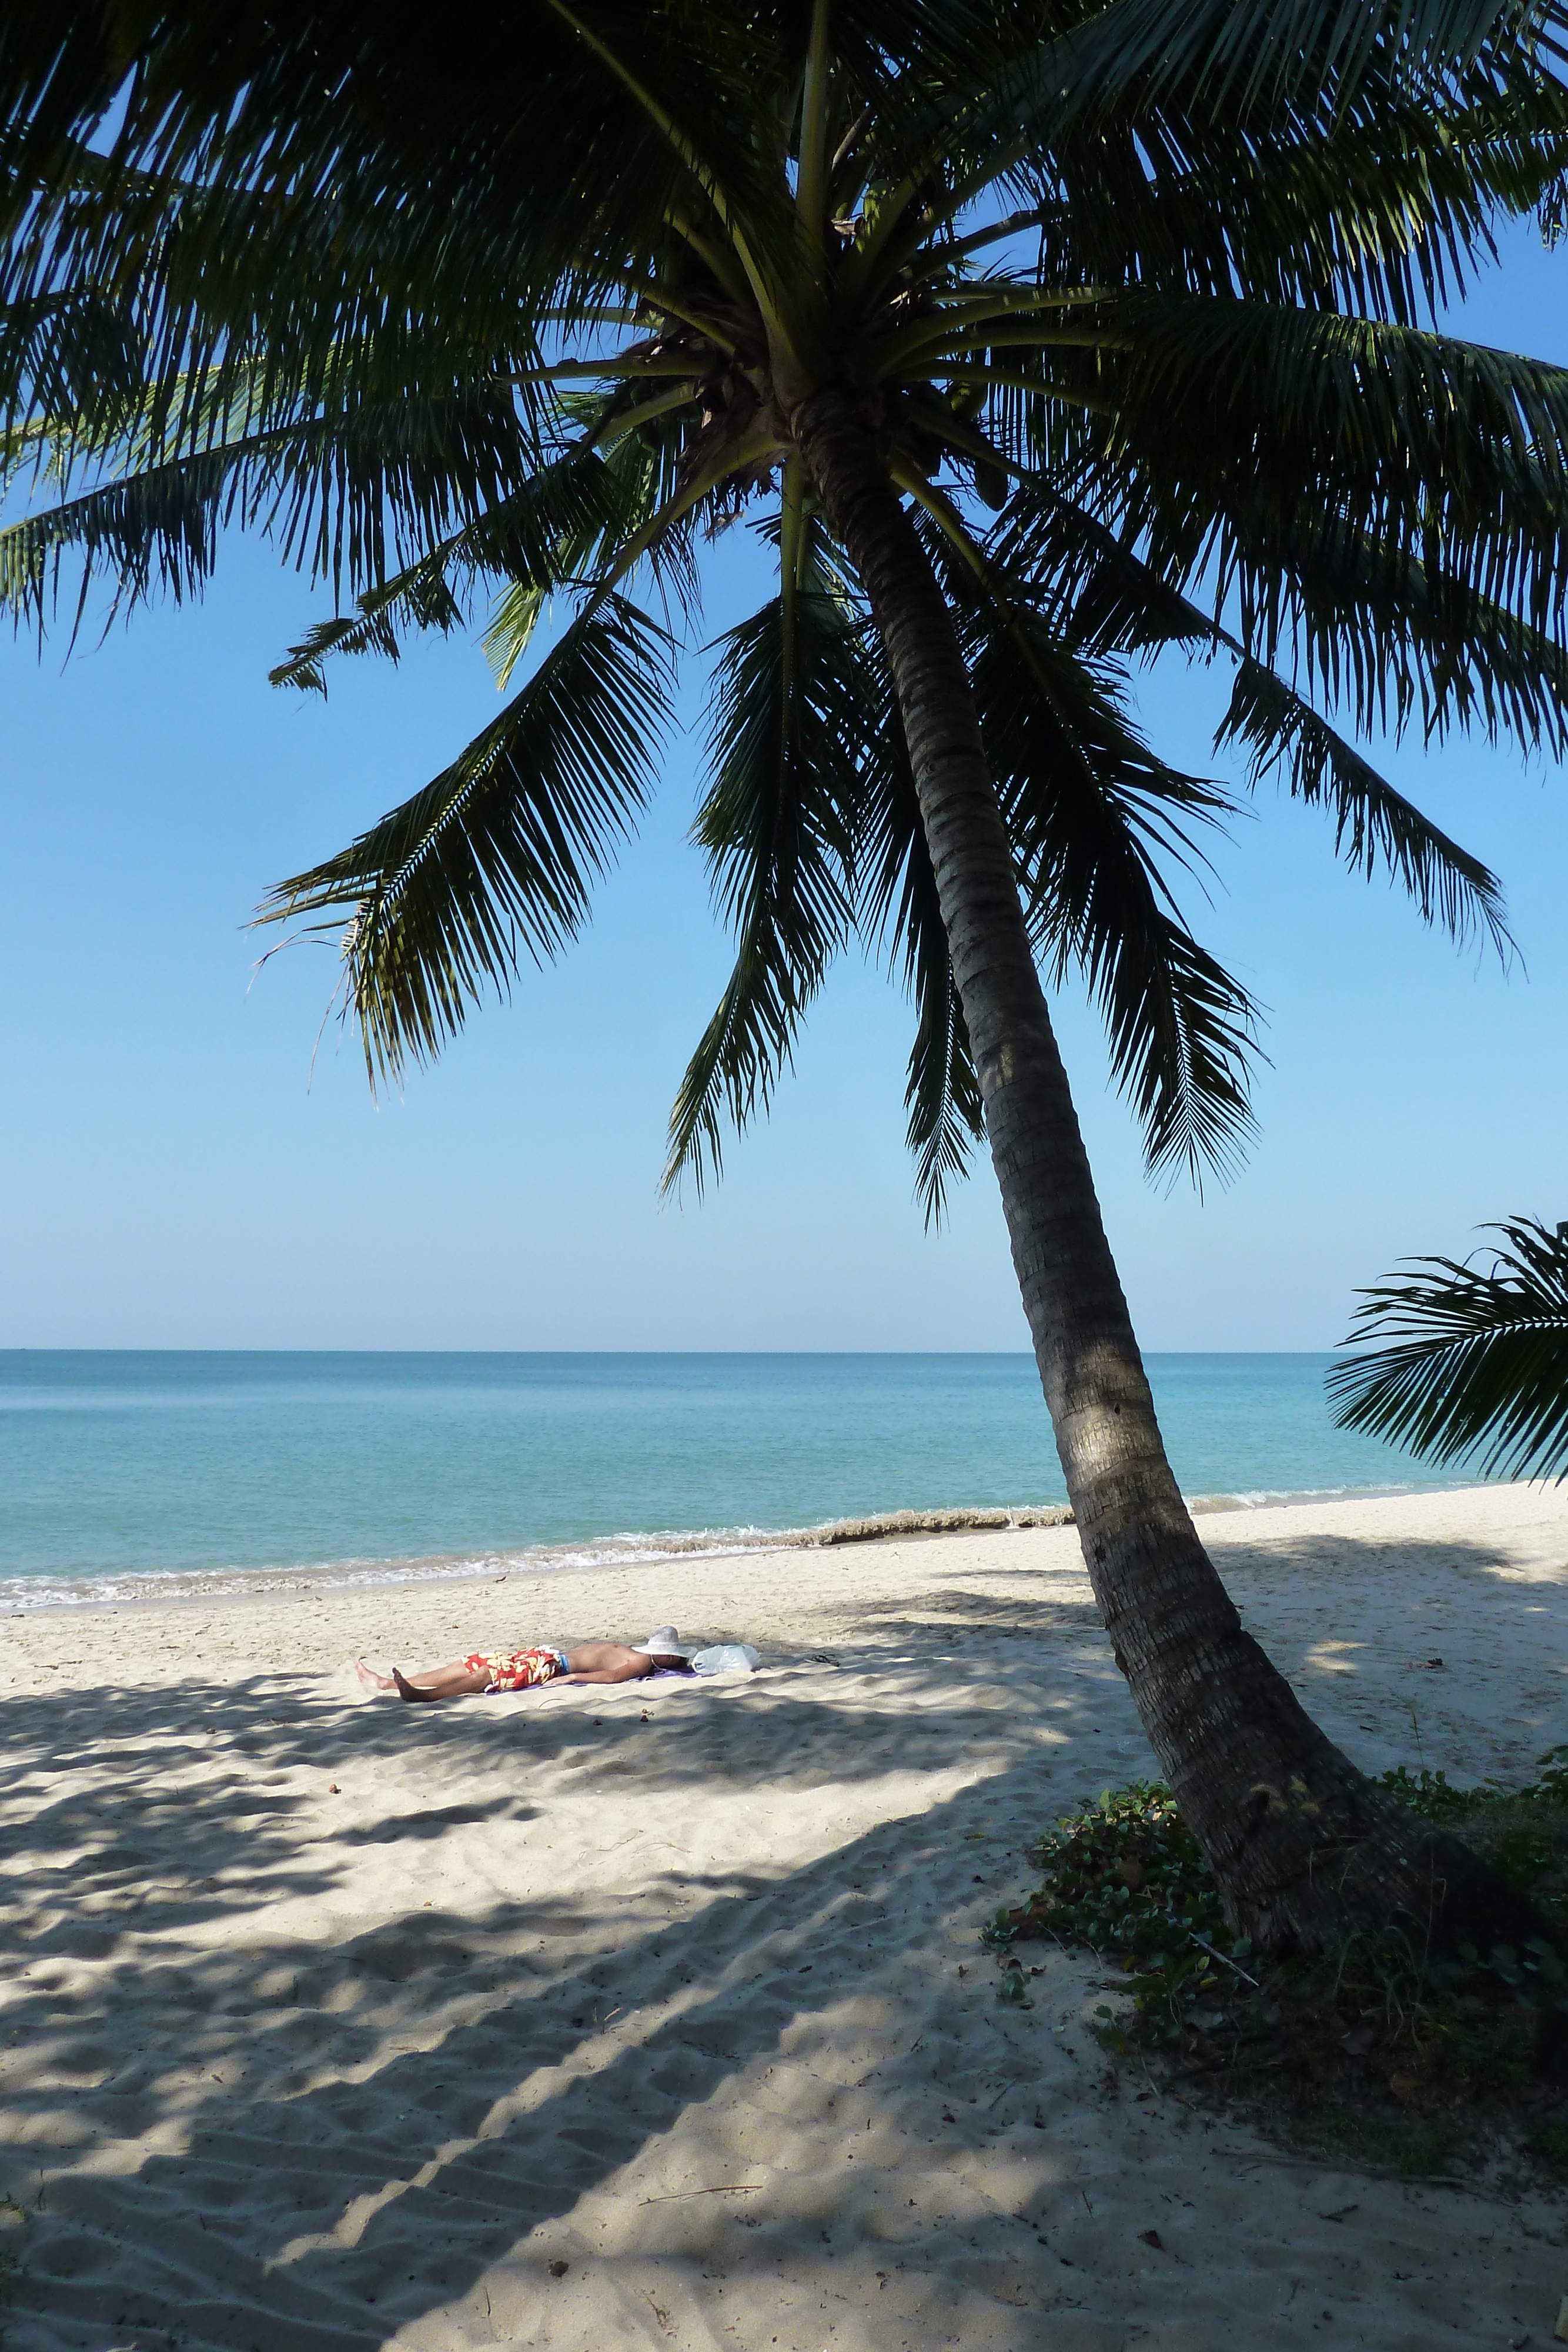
(111, 1589)
(1269, 1498)
(513, 1561)
(127, 1588)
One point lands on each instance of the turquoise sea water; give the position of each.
(380, 1466)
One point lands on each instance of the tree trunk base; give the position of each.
(1315, 1853)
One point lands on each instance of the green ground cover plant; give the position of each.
(1386, 2051)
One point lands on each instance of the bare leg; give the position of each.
(371, 1679)
(454, 1680)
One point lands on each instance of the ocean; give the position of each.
(120, 1467)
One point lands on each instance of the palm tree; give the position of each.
(1471, 1357)
(1039, 337)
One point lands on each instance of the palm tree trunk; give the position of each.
(1303, 1847)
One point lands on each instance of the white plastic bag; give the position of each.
(726, 1658)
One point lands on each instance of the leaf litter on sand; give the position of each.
(1382, 2052)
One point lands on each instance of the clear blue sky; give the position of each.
(167, 1179)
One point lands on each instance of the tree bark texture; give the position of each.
(1303, 1847)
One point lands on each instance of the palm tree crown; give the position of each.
(1125, 295)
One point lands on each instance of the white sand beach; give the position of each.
(657, 2016)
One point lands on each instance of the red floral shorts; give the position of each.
(518, 1669)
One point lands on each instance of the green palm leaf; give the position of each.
(62, 354)
(542, 537)
(1372, 823)
(384, 206)
(898, 909)
(1167, 63)
(494, 858)
(1259, 443)
(1269, 52)
(1462, 1357)
(1088, 579)
(1096, 819)
(787, 726)
(346, 496)
(1365, 216)
(1129, 108)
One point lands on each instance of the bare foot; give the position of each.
(405, 1689)
(372, 1680)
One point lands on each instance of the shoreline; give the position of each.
(47, 1590)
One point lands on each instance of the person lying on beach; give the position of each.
(511, 1670)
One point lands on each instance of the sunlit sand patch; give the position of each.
(1334, 1657)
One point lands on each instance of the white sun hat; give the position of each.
(664, 1642)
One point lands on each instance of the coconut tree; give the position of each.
(1035, 338)
(1459, 1359)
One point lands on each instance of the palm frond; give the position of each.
(1372, 823)
(551, 532)
(946, 1116)
(384, 201)
(1096, 818)
(65, 355)
(1170, 66)
(419, 596)
(1462, 1357)
(1265, 53)
(1086, 579)
(1363, 212)
(899, 909)
(1290, 461)
(785, 728)
(494, 859)
(349, 497)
